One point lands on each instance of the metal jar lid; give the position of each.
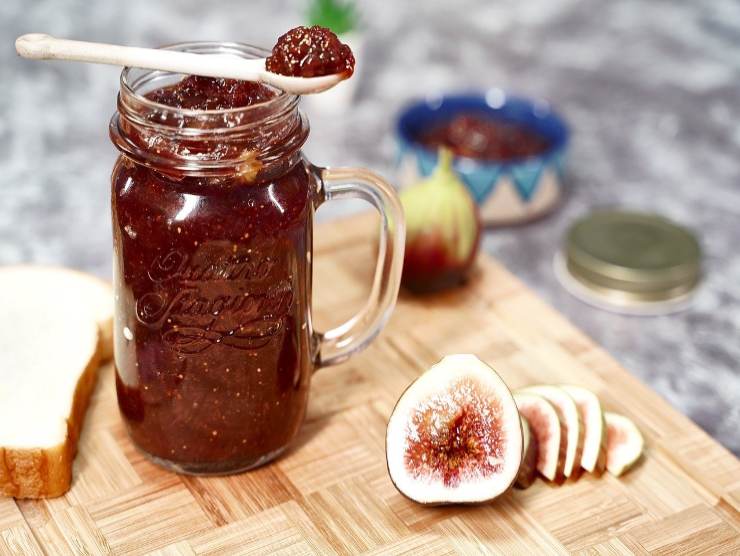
(630, 258)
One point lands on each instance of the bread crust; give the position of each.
(105, 343)
(47, 472)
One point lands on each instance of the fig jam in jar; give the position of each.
(212, 205)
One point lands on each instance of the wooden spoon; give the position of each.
(39, 46)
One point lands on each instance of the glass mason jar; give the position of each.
(212, 233)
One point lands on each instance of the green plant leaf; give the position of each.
(338, 15)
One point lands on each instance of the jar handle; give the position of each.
(340, 343)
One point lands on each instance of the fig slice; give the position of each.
(570, 421)
(545, 424)
(593, 458)
(455, 435)
(624, 443)
(528, 469)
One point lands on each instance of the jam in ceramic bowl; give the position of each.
(509, 151)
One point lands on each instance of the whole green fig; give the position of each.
(442, 230)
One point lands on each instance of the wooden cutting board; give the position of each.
(331, 492)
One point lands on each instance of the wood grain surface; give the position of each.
(330, 493)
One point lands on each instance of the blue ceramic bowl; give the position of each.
(507, 192)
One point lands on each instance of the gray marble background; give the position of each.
(651, 90)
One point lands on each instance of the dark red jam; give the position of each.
(215, 94)
(212, 274)
(484, 138)
(210, 93)
(310, 52)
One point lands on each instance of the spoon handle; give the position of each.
(39, 46)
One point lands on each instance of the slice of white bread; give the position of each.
(92, 294)
(50, 347)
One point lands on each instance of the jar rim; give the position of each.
(129, 82)
(229, 126)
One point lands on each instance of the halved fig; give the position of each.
(624, 443)
(593, 458)
(528, 469)
(455, 435)
(571, 422)
(546, 428)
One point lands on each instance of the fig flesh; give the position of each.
(570, 421)
(528, 469)
(544, 422)
(624, 443)
(593, 458)
(455, 435)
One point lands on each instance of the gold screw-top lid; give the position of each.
(630, 258)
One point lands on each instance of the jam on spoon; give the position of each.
(310, 52)
(301, 52)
